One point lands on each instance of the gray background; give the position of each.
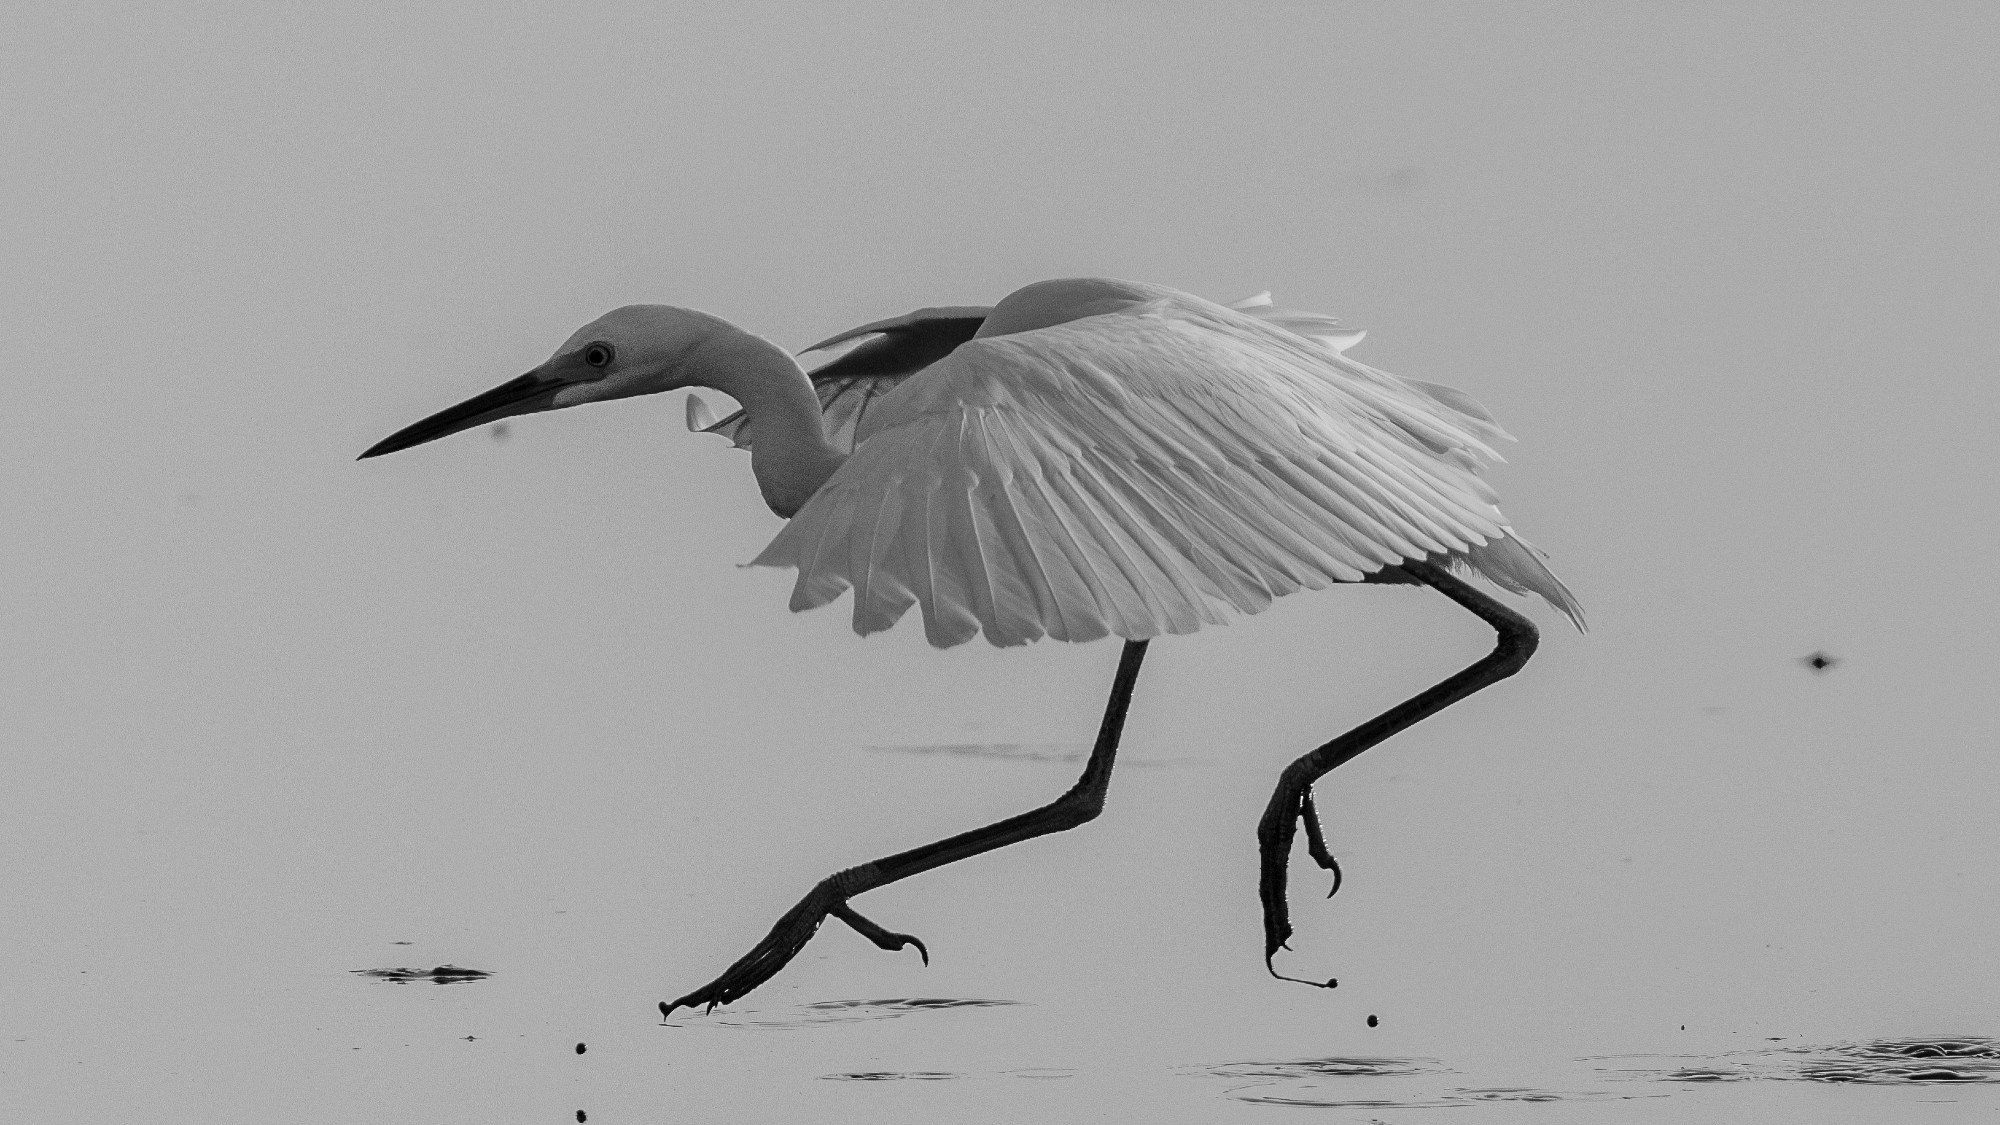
(1728, 271)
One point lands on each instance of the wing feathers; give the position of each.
(881, 592)
(1001, 591)
(1081, 602)
(1144, 472)
(1124, 589)
(1071, 613)
(1512, 563)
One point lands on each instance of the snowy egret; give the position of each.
(1087, 458)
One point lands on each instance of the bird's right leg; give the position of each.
(1291, 805)
(1080, 804)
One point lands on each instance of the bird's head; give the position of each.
(636, 350)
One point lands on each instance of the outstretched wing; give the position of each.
(1143, 472)
(904, 345)
(850, 384)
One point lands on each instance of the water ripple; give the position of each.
(442, 974)
(1914, 1061)
(893, 1076)
(1321, 1068)
(1342, 1096)
(939, 1075)
(838, 1011)
(1344, 1082)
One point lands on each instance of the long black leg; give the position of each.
(1080, 804)
(1292, 802)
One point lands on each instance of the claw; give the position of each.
(1275, 834)
(1331, 982)
(786, 938)
(783, 943)
(883, 939)
(1316, 841)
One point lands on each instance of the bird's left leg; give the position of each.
(1081, 803)
(1292, 805)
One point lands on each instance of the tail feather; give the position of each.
(1514, 564)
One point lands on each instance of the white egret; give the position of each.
(1087, 458)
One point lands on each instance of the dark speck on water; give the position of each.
(1820, 661)
(582, 1116)
(1372, 1021)
(579, 1048)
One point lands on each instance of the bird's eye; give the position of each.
(598, 355)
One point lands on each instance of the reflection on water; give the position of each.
(836, 1011)
(1415, 1083)
(892, 1076)
(1313, 1094)
(1523, 1094)
(1954, 1059)
(442, 974)
(1025, 752)
(1012, 751)
(1372, 1083)
(936, 1075)
(1319, 1068)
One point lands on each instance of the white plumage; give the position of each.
(1143, 471)
(1087, 458)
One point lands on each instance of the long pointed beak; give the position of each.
(525, 395)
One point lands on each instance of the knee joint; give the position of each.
(1079, 808)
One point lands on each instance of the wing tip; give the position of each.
(1514, 564)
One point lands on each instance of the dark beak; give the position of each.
(529, 393)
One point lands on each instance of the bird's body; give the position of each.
(1087, 458)
(1147, 467)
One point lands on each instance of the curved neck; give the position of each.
(789, 452)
